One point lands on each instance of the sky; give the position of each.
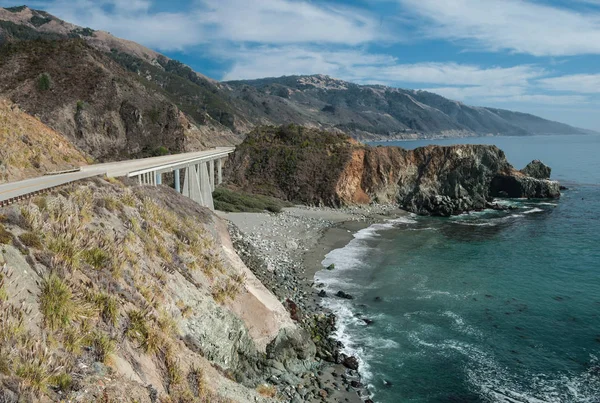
(535, 56)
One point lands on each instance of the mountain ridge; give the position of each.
(145, 101)
(447, 116)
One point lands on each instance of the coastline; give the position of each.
(292, 244)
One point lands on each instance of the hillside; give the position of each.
(82, 83)
(378, 112)
(30, 148)
(107, 290)
(115, 98)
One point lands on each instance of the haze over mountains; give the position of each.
(113, 98)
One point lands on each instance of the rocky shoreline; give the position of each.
(285, 251)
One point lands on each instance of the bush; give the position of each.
(5, 236)
(44, 82)
(31, 240)
(160, 151)
(232, 201)
(56, 303)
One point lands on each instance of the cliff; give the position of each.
(320, 168)
(109, 290)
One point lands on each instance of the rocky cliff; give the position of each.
(109, 290)
(308, 166)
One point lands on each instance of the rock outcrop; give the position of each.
(320, 168)
(537, 169)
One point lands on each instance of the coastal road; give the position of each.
(15, 190)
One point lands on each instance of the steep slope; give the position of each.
(109, 291)
(62, 74)
(374, 111)
(320, 168)
(30, 148)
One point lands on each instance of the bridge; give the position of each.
(201, 172)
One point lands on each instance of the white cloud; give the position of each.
(288, 21)
(539, 99)
(132, 20)
(363, 67)
(217, 21)
(579, 83)
(517, 25)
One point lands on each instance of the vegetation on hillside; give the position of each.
(236, 202)
(29, 148)
(102, 289)
(292, 163)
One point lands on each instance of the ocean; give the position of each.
(483, 307)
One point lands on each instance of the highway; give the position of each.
(15, 190)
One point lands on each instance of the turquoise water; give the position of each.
(487, 307)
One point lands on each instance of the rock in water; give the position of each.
(351, 363)
(331, 266)
(537, 169)
(344, 295)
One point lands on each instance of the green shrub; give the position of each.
(5, 236)
(31, 240)
(44, 82)
(56, 302)
(160, 151)
(232, 201)
(96, 257)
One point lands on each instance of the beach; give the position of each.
(288, 248)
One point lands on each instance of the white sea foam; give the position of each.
(352, 257)
(477, 224)
(534, 210)
(496, 383)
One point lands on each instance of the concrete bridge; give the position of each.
(198, 173)
(201, 172)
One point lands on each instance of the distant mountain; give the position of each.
(114, 98)
(380, 112)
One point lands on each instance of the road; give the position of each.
(14, 190)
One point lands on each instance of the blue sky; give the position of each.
(536, 56)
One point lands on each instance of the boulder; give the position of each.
(537, 169)
(342, 294)
(350, 363)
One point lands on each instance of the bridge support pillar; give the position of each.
(219, 171)
(196, 185)
(211, 174)
(159, 178)
(177, 181)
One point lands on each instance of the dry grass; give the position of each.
(267, 390)
(30, 148)
(31, 240)
(5, 236)
(57, 304)
(103, 346)
(89, 263)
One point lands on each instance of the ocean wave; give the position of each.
(477, 224)
(533, 210)
(494, 382)
(460, 325)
